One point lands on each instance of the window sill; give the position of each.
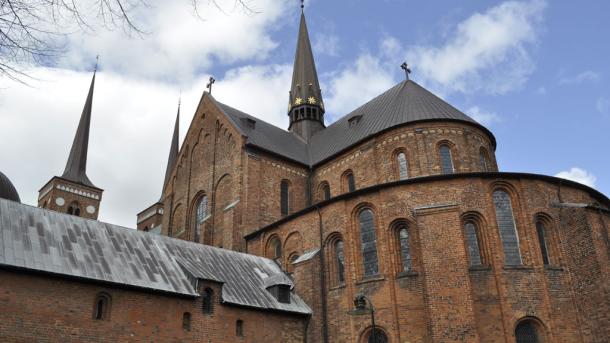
(552, 267)
(404, 274)
(373, 278)
(518, 267)
(481, 268)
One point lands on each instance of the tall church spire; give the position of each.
(173, 151)
(76, 167)
(305, 108)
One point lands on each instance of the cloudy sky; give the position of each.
(535, 72)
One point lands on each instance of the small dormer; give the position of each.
(280, 286)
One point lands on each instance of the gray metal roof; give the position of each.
(7, 190)
(41, 240)
(406, 102)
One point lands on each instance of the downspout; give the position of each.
(322, 269)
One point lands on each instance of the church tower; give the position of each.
(151, 218)
(305, 107)
(73, 192)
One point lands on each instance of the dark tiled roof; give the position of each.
(47, 241)
(406, 102)
(7, 190)
(173, 152)
(76, 167)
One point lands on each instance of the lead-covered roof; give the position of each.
(40, 240)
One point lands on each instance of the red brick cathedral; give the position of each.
(392, 224)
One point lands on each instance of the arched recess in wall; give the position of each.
(348, 181)
(197, 161)
(177, 224)
(323, 192)
(293, 244)
(405, 241)
(485, 163)
(334, 248)
(530, 330)
(475, 239)
(223, 219)
(273, 248)
(380, 336)
(548, 240)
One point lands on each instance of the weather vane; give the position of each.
(210, 83)
(404, 66)
(302, 4)
(97, 58)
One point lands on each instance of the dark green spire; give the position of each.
(173, 152)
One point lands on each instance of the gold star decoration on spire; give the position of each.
(311, 100)
(298, 101)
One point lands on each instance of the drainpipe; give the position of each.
(322, 263)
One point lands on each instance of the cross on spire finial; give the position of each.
(404, 66)
(210, 83)
(302, 4)
(97, 59)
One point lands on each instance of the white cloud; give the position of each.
(364, 79)
(603, 105)
(130, 130)
(327, 44)
(488, 51)
(579, 175)
(541, 90)
(180, 43)
(483, 117)
(585, 76)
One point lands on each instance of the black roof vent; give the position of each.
(7, 190)
(249, 122)
(354, 120)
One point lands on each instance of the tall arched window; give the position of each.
(207, 298)
(350, 182)
(74, 209)
(324, 191)
(405, 251)
(101, 310)
(401, 162)
(201, 215)
(368, 241)
(527, 332)
(446, 159)
(472, 244)
(507, 228)
(541, 231)
(186, 321)
(340, 261)
(484, 160)
(284, 197)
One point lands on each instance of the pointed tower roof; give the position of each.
(305, 87)
(76, 167)
(173, 152)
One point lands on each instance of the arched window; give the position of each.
(275, 246)
(207, 298)
(349, 181)
(340, 261)
(368, 241)
(527, 332)
(405, 253)
(541, 231)
(472, 244)
(74, 209)
(239, 328)
(186, 321)
(484, 160)
(101, 309)
(201, 216)
(507, 228)
(324, 191)
(446, 159)
(284, 194)
(401, 162)
(378, 337)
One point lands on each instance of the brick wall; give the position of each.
(35, 308)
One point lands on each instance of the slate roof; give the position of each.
(406, 102)
(173, 152)
(36, 239)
